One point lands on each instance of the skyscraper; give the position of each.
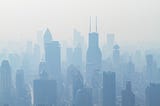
(78, 39)
(110, 41)
(77, 82)
(45, 91)
(47, 36)
(153, 95)
(116, 54)
(94, 56)
(23, 94)
(107, 48)
(69, 56)
(42, 69)
(52, 55)
(128, 97)
(53, 59)
(77, 57)
(129, 71)
(150, 68)
(84, 97)
(6, 84)
(109, 89)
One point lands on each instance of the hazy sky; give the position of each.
(131, 20)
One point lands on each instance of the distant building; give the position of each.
(130, 71)
(45, 92)
(77, 58)
(69, 56)
(78, 39)
(77, 82)
(110, 41)
(53, 59)
(116, 54)
(94, 57)
(47, 36)
(153, 95)
(84, 97)
(107, 48)
(6, 94)
(52, 55)
(42, 69)
(23, 93)
(150, 68)
(128, 97)
(75, 79)
(109, 89)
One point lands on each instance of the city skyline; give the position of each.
(79, 53)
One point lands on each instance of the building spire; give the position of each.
(96, 23)
(90, 25)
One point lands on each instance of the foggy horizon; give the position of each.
(131, 21)
(79, 53)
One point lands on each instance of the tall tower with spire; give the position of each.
(94, 55)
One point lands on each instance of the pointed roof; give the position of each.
(47, 36)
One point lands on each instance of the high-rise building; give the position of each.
(53, 59)
(84, 97)
(45, 91)
(150, 68)
(20, 82)
(116, 54)
(47, 36)
(109, 89)
(35, 60)
(23, 93)
(69, 56)
(42, 69)
(153, 95)
(110, 41)
(94, 56)
(78, 39)
(108, 45)
(6, 84)
(74, 78)
(129, 71)
(77, 82)
(77, 57)
(52, 55)
(128, 97)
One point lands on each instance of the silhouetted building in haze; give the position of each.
(128, 97)
(23, 93)
(110, 40)
(151, 68)
(77, 57)
(153, 95)
(116, 54)
(94, 56)
(109, 89)
(84, 97)
(6, 87)
(53, 59)
(47, 36)
(45, 92)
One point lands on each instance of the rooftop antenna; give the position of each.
(96, 23)
(90, 24)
